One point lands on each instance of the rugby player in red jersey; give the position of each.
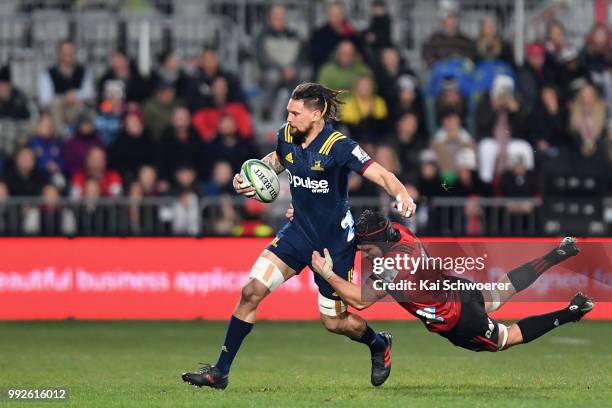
(461, 316)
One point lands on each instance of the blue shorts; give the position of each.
(293, 249)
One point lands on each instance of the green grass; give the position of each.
(138, 364)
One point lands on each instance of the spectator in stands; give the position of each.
(587, 119)
(76, 149)
(23, 179)
(65, 87)
(378, 34)
(226, 146)
(448, 41)
(48, 150)
(450, 98)
(109, 182)
(157, 110)
(555, 43)
(408, 143)
(169, 71)
(490, 45)
(280, 55)
(547, 123)
(398, 85)
(111, 110)
(14, 105)
(179, 146)
(468, 182)
(364, 112)
(597, 51)
(122, 69)
(518, 180)
(326, 39)
(200, 85)
(500, 119)
(533, 74)
(571, 72)
(145, 185)
(185, 181)
(133, 148)
(448, 141)
(342, 72)
(429, 183)
(221, 180)
(597, 58)
(206, 120)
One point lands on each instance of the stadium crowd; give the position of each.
(476, 125)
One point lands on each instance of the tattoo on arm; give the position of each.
(273, 161)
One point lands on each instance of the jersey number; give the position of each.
(348, 222)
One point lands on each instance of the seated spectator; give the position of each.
(533, 74)
(398, 85)
(597, 59)
(147, 183)
(206, 120)
(65, 87)
(134, 147)
(448, 41)
(555, 43)
(48, 150)
(342, 72)
(547, 123)
(179, 145)
(500, 111)
(408, 143)
(14, 105)
(75, 149)
(490, 45)
(157, 111)
(111, 110)
(364, 112)
(185, 181)
(23, 179)
(280, 55)
(447, 142)
(221, 180)
(378, 34)
(468, 182)
(587, 119)
(450, 98)
(325, 39)
(518, 180)
(200, 84)
(429, 182)
(108, 181)
(122, 69)
(169, 71)
(226, 146)
(571, 72)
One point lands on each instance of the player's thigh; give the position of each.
(331, 306)
(268, 272)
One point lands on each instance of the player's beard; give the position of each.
(299, 136)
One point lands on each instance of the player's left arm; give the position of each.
(387, 180)
(348, 291)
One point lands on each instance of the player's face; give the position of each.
(370, 251)
(300, 120)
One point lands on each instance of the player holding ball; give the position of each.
(318, 160)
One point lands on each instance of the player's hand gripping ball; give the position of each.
(262, 178)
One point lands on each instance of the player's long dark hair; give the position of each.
(316, 96)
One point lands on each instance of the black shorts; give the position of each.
(475, 331)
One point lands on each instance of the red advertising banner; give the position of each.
(177, 278)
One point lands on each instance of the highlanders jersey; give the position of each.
(318, 176)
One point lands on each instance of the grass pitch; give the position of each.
(138, 364)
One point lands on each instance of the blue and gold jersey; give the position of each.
(318, 176)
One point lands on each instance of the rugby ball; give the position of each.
(263, 179)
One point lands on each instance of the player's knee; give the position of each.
(511, 337)
(333, 324)
(253, 293)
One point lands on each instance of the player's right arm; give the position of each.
(243, 187)
(348, 291)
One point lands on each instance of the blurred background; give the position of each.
(130, 117)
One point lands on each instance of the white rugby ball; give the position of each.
(263, 179)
